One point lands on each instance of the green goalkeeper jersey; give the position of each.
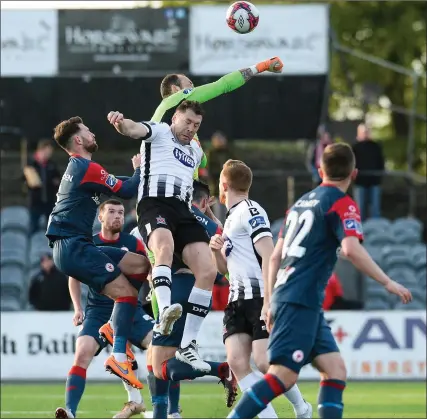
(225, 84)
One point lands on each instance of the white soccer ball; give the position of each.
(242, 17)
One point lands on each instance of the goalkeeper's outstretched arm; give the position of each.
(234, 80)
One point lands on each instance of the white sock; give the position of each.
(162, 283)
(201, 300)
(120, 357)
(295, 397)
(134, 395)
(249, 381)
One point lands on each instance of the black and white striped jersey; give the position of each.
(167, 166)
(246, 223)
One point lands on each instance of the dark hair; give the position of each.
(44, 143)
(109, 202)
(338, 161)
(186, 105)
(65, 130)
(167, 83)
(200, 190)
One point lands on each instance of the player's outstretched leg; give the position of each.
(175, 370)
(125, 306)
(107, 333)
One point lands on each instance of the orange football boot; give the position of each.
(107, 333)
(123, 370)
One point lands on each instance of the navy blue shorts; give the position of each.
(80, 258)
(182, 284)
(95, 317)
(298, 336)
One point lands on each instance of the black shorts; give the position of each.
(174, 215)
(244, 316)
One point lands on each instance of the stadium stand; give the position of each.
(395, 246)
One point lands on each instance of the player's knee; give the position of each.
(120, 287)
(83, 357)
(239, 365)
(206, 277)
(158, 371)
(261, 363)
(336, 370)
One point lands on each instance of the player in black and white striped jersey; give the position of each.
(165, 220)
(244, 250)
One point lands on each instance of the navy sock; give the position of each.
(330, 403)
(159, 394)
(75, 387)
(122, 318)
(175, 370)
(256, 398)
(174, 392)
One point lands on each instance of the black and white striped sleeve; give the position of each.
(256, 222)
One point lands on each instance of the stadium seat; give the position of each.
(374, 225)
(413, 305)
(14, 247)
(377, 304)
(375, 253)
(421, 277)
(407, 237)
(396, 256)
(12, 277)
(15, 219)
(379, 238)
(10, 304)
(38, 246)
(405, 276)
(418, 294)
(419, 256)
(408, 223)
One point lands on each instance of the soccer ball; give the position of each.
(242, 17)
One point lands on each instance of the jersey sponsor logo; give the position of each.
(257, 221)
(187, 91)
(109, 267)
(352, 224)
(111, 181)
(67, 177)
(183, 158)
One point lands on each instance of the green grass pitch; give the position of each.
(206, 400)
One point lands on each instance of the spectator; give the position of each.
(49, 288)
(42, 178)
(218, 154)
(334, 296)
(314, 154)
(369, 157)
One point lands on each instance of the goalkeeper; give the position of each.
(177, 87)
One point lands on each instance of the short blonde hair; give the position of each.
(238, 175)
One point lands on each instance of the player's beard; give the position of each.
(116, 227)
(91, 148)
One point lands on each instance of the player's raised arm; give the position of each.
(99, 180)
(233, 81)
(138, 130)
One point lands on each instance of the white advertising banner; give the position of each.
(382, 345)
(29, 43)
(298, 34)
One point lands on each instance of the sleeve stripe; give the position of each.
(259, 231)
(150, 131)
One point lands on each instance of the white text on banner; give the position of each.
(29, 43)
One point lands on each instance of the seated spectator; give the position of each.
(334, 299)
(49, 288)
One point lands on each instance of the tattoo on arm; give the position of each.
(247, 74)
